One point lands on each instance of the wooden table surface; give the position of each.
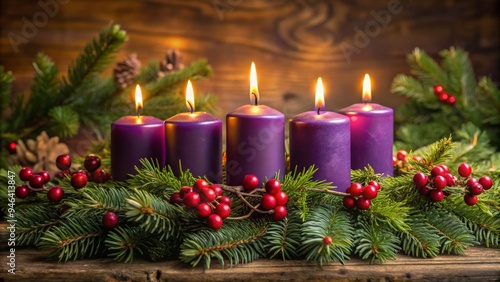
(478, 264)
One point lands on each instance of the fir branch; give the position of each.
(284, 237)
(33, 222)
(324, 221)
(237, 241)
(426, 69)
(149, 73)
(409, 87)
(365, 175)
(64, 121)
(97, 200)
(6, 79)
(455, 237)
(386, 211)
(376, 243)
(461, 78)
(124, 242)
(75, 238)
(419, 240)
(96, 56)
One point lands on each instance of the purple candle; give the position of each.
(372, 133)
(255, 140)
(195, 140)
(133, 138)
(322, 139)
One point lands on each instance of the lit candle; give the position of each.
(194, 140)
(322, 139)
(372, 133)
(133, 138)
(255, 139)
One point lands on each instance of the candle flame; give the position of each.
(367, 89)
(320, 95)
(190, 96)
(254, 88)
(138, 100)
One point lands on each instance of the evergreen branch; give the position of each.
(426, 69)
(75, 238)
(6, 79)
(158, 250)
(283, 237)
(386, 211)
(376, 243)
(455, 237)
(96, 56)
(461, 76)
(322, 222)
(365, 175)
(149, 73)
(489, 95)
(64, 121)
(123, 242)
(419, 240)
(409, 87)
(33, 222)
(237, 241)
(97, 200)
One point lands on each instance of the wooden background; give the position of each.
(292, 42)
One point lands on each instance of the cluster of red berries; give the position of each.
(207, 201)
(440, 178)
(80, 178)
(273, 198)
(34, 182)
(400, 159)
(361, 196)
(444, 97)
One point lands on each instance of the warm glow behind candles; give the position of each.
(320, 95)
(190, 96)
(138, 100)
(254, 88)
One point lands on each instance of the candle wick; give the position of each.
(191, 106)
(255, 96)
(319, 109)
(139, 111)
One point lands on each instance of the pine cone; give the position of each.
(172, 62)
(127, 70)
(40, 154)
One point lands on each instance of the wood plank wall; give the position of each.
(292, 42)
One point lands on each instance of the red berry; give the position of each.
(55, 194)
(471, 182)
(394, 161)
(281, 198)
(175, 198)
(184, 190)
(250, 182)
(369, 192)
(25, 173)
(470, 199)
(217, 189)
(223, 210)
(349, 202)
(443, 97)
(374, 184)
(36, 181)
(436, 195)
(327, 240)
(92, 162)
(79, 180)
(438, 89)
(439, 182)
(203, 210)
(363, 204)
(355, 189)
(110, 220)
(424, 191)
(486, 181)
(225, 200)
(401, 155)
(450, 179)
(437, 170)
(464, 170)
(100, 176)
(420, 179)
(280, 213)
(268, 202)
(200, 185)
(62, 174)
(208, 195)
(451, 100)
(22, 191)
(273, 186)
(475, 189)
(214, 221)
(445, 168)
(191, 200)
(63, 162)
(12, 147)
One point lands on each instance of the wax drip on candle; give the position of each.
(320, 95)
(138, 100)
(254, 88)
(367, 93)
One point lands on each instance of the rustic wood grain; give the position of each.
(292, 42)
